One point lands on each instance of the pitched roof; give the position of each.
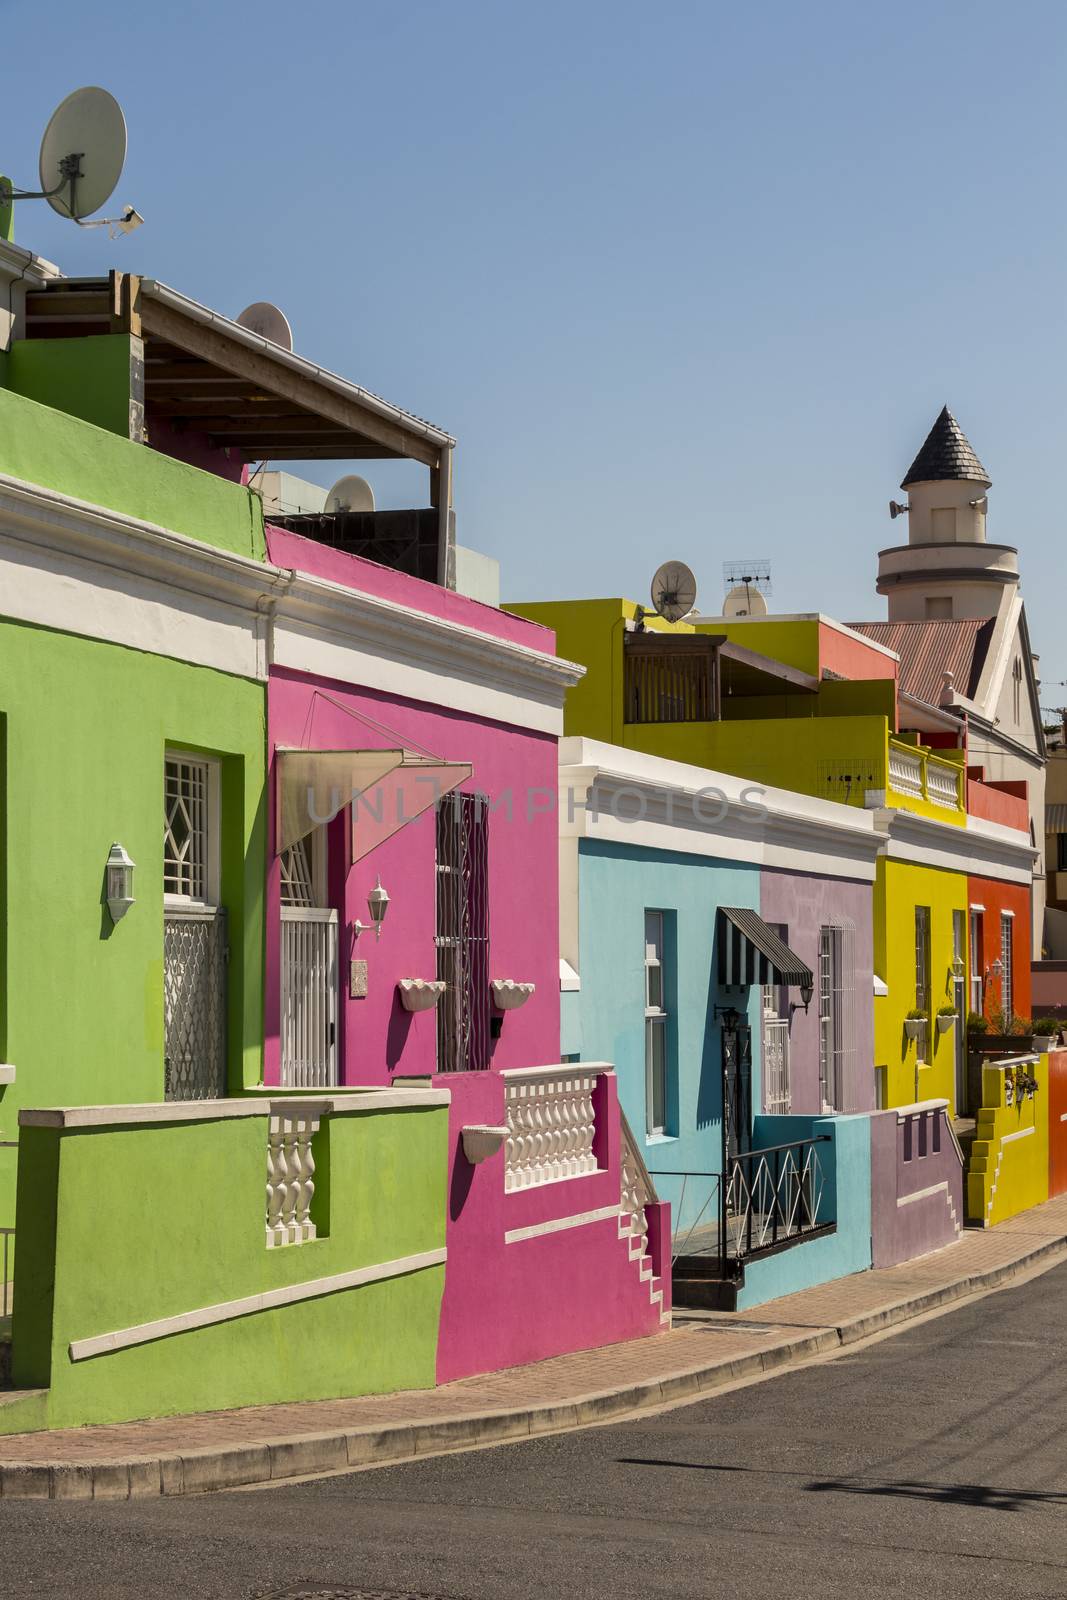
(928, 650)
(945, 454)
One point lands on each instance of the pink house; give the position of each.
(412, 932)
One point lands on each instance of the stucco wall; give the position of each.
(916, 1185)
(999, 897)
(85, 727)
(846, 1167)
(803, 904)
(617, 885)
(95, 1258)
(1009, 1165)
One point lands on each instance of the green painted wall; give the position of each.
(96, 1258)
(85, 726)
(87, 378)
(58, 451)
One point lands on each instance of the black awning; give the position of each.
(751, 952)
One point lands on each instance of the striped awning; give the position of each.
(1056, 818)
(751, 952)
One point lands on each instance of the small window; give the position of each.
(938, 608)
(1007, 979)
(463, 1019)
(922, 977)
(655, 1025)
(190, 830)
(837, 1027)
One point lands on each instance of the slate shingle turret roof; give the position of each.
(945, 454)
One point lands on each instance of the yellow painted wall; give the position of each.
(794, 643)
(899, 887)
(1009, 1175)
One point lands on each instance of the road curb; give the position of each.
(310, 1455)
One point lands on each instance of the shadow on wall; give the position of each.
(709, 1089)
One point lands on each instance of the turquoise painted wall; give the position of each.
(85, 726)
(62, 452)
(96, 1258)
(616, 885)
(846, 1166)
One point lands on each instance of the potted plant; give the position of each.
(915, 1022)
(946, 1018)
(976, 1023)
(1045, 1033)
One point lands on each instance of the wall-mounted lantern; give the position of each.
(995, 971)
(807, 989)
(377, 905)
(119, 882)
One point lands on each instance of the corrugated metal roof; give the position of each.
(1056, 818)
(928, 650)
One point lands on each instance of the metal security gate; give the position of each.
(194, 1004)
(309, 998)
(463, 932)
(736, 1091)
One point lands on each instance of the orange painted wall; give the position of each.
(998, 897)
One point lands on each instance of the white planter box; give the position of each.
(420, 994)
(480, 1141)
(508, 995)
(913, 1026)
(945, 1023)
(1043, 1042)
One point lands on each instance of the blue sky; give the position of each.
(685, 280)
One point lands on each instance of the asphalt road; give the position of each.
(932, 1463)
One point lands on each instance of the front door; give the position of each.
(736, 1091)
(309, 976)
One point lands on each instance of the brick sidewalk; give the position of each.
(259, 1443)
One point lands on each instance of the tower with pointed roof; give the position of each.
(948, 569)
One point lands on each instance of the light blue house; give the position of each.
(679, 966)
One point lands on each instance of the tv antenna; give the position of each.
(350, 493)
(674, 591)
(81, 160)
(747, 583)
(269, 322)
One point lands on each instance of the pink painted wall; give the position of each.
(573, 1289)
(378, 1037)
(321, 561)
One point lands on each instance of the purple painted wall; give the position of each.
(803, 903)
(916, 1184)
(504, 1303)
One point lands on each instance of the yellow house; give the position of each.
(809, 704)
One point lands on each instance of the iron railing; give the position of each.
(670, 680)
(308, 998)
(766, 1200)
(463, 932)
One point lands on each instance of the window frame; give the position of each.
(976, 976)
(1007, 959)
(212, 767)
(657, 1022)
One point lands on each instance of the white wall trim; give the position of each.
(324, 628)
(538, 1230)
(270, 1300)
(7, 1073)
(982, 849)
(81, 569)
(622, 796)
(171, 1111)
(1020, 1133)
(922, 1194)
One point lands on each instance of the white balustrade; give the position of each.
(551, 1124)
(942, 784)
(633, 1197)
(905, 771)
(290, 1177)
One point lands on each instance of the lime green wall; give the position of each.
(1009, 1175)
(85, 725)
(794, 643)
(87, 378)
(95, 1258)
(900, 887)
(61, 452)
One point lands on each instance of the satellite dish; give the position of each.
(674, 591)
(744, 600)
(350, 494)
(82, 153)
(265, 319)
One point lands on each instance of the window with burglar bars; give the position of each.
(837, 1014)
(922, 977)
(186, 822)
(463, 932)
(1007, 981)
